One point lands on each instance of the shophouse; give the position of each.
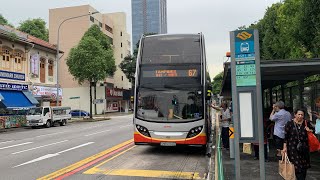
(27, 64)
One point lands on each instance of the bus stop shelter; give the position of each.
(277, 72)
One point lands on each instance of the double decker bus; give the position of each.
(171, 91)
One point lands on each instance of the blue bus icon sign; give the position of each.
(244, 47)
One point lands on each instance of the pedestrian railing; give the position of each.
(219, 173)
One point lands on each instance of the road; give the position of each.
(93, 150)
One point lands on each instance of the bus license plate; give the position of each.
(167, 144)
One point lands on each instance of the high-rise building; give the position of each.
(148, 16)
(113, 25)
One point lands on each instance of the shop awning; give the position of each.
(14, 99)
(31, 98)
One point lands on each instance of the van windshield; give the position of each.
(35, 111)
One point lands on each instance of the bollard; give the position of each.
(231, 140)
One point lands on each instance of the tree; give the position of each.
(4, 21)
(128, 67)
(90, 61)
(35, 27)
(309, 27)
(94, 31)
(217, 83)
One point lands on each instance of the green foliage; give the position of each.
(89, 61)
(311, 79)
(94, 31)
(290, 30)
(128, 67)
(35, 27)
(4, 21)
(92, 59)
(217, 83)
(12, 36)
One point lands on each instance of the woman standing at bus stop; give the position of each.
(296, 143)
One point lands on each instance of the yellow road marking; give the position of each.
(148, 173)
(95, 169)
(83, 162)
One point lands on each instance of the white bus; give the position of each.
(171, 91)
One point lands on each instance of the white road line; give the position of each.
(15, 145)
(97, 132)
(51, 155)
(126, 126)
(5, 142)
(39, 147)
(50, 134)
(86, 144)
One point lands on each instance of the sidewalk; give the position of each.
(96, 118)
(250, 167)
(100, 117)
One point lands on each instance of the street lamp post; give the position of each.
(57, 55)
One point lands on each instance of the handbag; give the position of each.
(247, 148)
(314, 144)
(286, 168)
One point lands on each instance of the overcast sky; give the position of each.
(214, 18)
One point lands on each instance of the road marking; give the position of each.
(96, 168)
(126, 126)
(51, 155)
(39, 147)
(5, 142)
(146, 173)
(97, 132)
(50, 134)
(15, 145)
(73, 168)
(85, 144)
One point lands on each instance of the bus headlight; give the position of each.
(143, 130)
(194, 131)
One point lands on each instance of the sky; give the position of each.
(214, 18)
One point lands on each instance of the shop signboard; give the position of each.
(12, 75)
(15, 87)
(46, 91)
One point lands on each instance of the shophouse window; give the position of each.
(100, 24)
(18, 64)
(6, 56)
(121, 44)
(50, 68)
(121, 33)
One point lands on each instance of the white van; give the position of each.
(47, 116)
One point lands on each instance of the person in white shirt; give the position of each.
(225, 121)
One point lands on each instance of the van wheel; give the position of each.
(48, 124)
(63, 123)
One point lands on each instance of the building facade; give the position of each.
(113, 25)
(148, 17)
(27, 75)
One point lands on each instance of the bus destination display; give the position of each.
(171, 73)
